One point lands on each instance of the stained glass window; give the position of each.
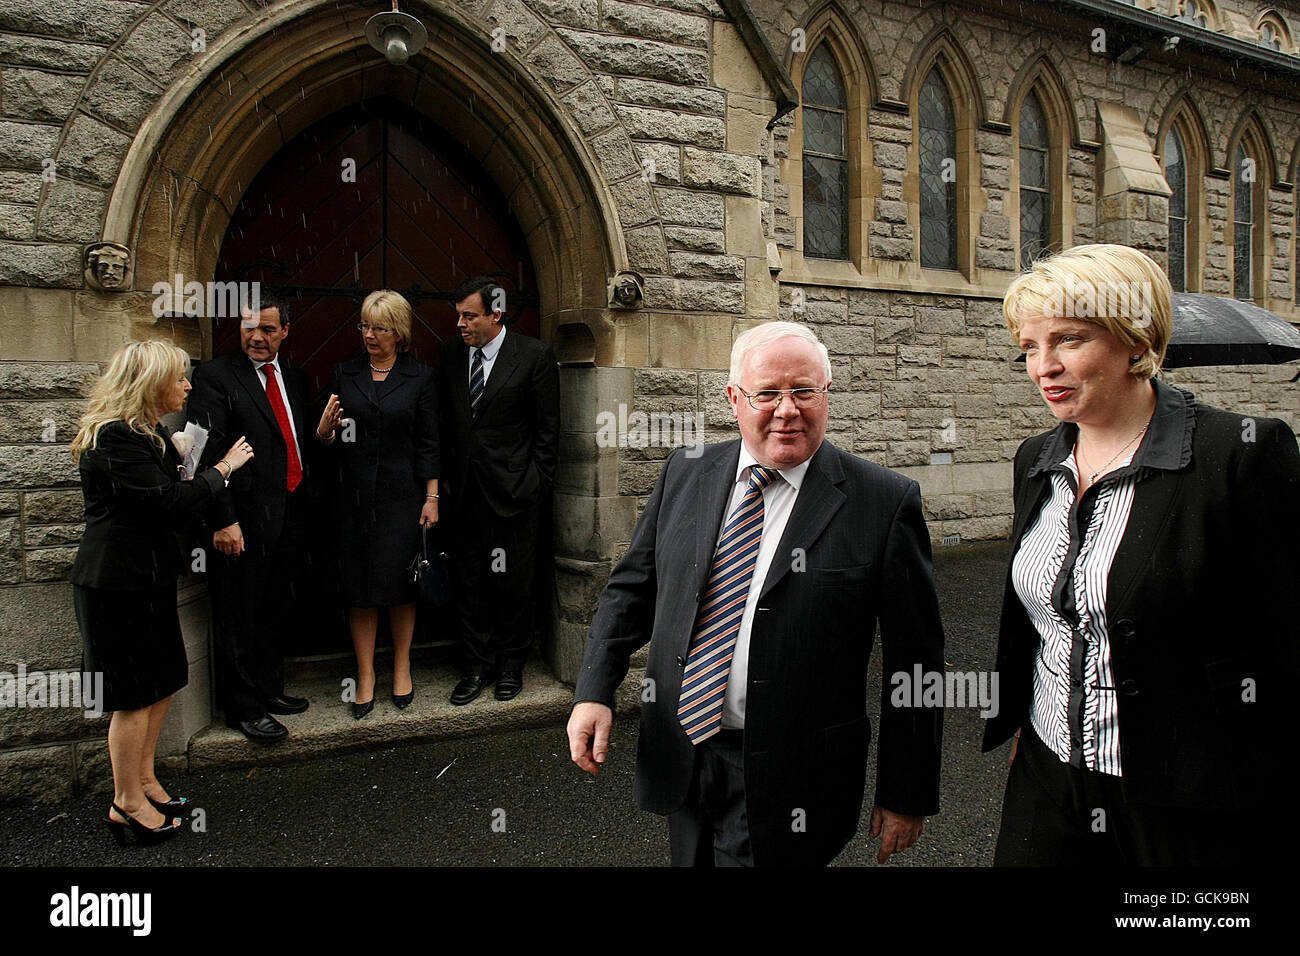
(1035, 200)
(938, 175)
(825, 159)
(1243, 223)
(1176, 177)
(1192, 13)
(1269, 36)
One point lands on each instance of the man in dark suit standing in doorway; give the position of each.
(500, 433)
(259, 522)
(757, 573)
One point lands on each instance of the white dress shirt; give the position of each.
(490, 352)
(284, 396)
(778, 502)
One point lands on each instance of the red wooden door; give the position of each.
(419, 217)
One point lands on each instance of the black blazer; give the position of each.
(396, 441)
(512, 446)
(1201, 597)
(135, 504)
(228, 400)
(807, 733)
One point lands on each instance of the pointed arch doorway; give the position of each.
(374, 196)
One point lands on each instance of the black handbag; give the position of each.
(431, 573)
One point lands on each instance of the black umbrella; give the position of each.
(1215, 330)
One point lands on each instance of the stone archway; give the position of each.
(209, 137)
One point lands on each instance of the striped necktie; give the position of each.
(475, 382)
(704, 682)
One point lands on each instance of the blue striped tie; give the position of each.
(704, 682)
(475, 382)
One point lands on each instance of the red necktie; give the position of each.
(282, 416)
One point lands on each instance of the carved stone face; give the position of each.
(108, 265)
(626, 291)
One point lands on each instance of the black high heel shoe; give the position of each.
(361, 710)
(402, 701)
(143, 834)
(176, 807)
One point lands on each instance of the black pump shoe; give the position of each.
(361, 710)
(402, 701)
(145, 835)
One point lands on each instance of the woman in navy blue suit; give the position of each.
(124, 576)
(388, 462)
(1147, 651)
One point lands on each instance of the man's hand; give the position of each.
(589, 735)
(229, 540)
(896, 831)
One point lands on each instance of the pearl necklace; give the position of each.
(383, 370)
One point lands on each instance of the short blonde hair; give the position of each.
(388, 308)
(131, 390)
(1115, 287)
(769, 332)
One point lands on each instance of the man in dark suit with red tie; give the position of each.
(259, 522)
(500, 408)
(757, 573)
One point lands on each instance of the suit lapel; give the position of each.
(816, 503)
(716, 484)
(504, 366)
(1153, 500)
(458, 368)
(403, 371)
(251, 380)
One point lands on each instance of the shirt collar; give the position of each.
(257, 366)
(492, 348)
(1167, 444)
(792, 475)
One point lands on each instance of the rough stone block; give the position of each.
(36, 95)
(721, 172)
(697, 240)
(693, 265)
(17, 222)
(37, 774)
(121, 94)
(556, 64)
(47, 264)
(645, 250)
(693, 295)
(669, 96)
(589, 110)
(660, 163)
(569, 13)
(27, 145)
(20, 186)
(72, 212)
(616, 155)
(651, 124)
(632, 19)
(645, 58)
(48, 53)
(522, 27)
(680, 207)
(93, 150)
(83, 19)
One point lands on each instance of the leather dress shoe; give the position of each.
(362, 710)
(509, 684)
(285, 704)
(263, 730)
(470, 686)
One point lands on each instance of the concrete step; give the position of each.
(329, 728)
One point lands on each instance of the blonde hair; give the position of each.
(391, 309)
(1115, 287)
(770, 332)
(131, 390)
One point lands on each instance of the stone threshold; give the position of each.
(329, 728)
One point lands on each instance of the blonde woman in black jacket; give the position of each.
(124, 577)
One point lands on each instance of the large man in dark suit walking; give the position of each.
(501, 418)
(259, 523)
(758, 572)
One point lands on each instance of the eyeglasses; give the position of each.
(769, 399)
(363, 328)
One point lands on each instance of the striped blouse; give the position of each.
(1059, 573)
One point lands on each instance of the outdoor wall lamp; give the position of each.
(398, 36)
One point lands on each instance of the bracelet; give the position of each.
(434, 497)
(230, 469)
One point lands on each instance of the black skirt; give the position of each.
(134, 639)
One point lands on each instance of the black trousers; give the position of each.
(1054, 814)
(494, 577)
(711, 828)
(254, 597)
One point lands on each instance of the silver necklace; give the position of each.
(1092, 478)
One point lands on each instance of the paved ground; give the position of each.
(510, 798)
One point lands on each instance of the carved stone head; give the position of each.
(627, 291)
(108, 266)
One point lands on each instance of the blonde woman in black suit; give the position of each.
(1147, 651)
(124, 577)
